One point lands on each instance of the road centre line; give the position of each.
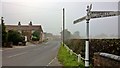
(17, 54)
(51, 61)
(46, 42)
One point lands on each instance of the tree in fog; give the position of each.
(48, 35)
(4, 33)
(102, 35)
(67, 34)
(76, 35)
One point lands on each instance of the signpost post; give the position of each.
(87, 38)
(93, 15)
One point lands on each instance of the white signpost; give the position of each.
(80, 19)
(98, 14)
(101, 14)
(93, 15)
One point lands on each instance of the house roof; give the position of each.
(24, 27)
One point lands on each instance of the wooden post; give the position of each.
(63, 26)
(79, 58)
(71, 52)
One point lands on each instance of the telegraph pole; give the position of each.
(63, 25)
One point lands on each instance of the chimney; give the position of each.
(30, 23)
(19, 24)
(2, 20)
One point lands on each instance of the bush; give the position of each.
(4, 33)
(77, 45)
(15, 37)
(96, 45)
(105, 45)
(36, 36)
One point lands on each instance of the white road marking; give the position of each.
(17, 54)
(20, 46)
(46, 43)
(36, 49)
(51, 61)
(8, 48)
(14, 47)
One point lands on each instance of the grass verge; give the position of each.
(68, 60)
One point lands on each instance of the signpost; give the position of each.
(79, 20)
(93, 15)
(98, 14)
(101, 14)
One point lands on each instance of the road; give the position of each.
(44, 54)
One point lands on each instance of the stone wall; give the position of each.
(104, 62)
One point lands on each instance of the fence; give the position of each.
(79, 58)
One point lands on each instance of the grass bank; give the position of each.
(68, 60)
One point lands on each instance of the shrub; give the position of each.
(96, 45)
(15, 37)
(36, 36)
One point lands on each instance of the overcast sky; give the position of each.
(49, 15)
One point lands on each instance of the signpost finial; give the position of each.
(90, 6)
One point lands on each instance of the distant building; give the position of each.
(26, 30)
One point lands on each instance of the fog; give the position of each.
(49, 15)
